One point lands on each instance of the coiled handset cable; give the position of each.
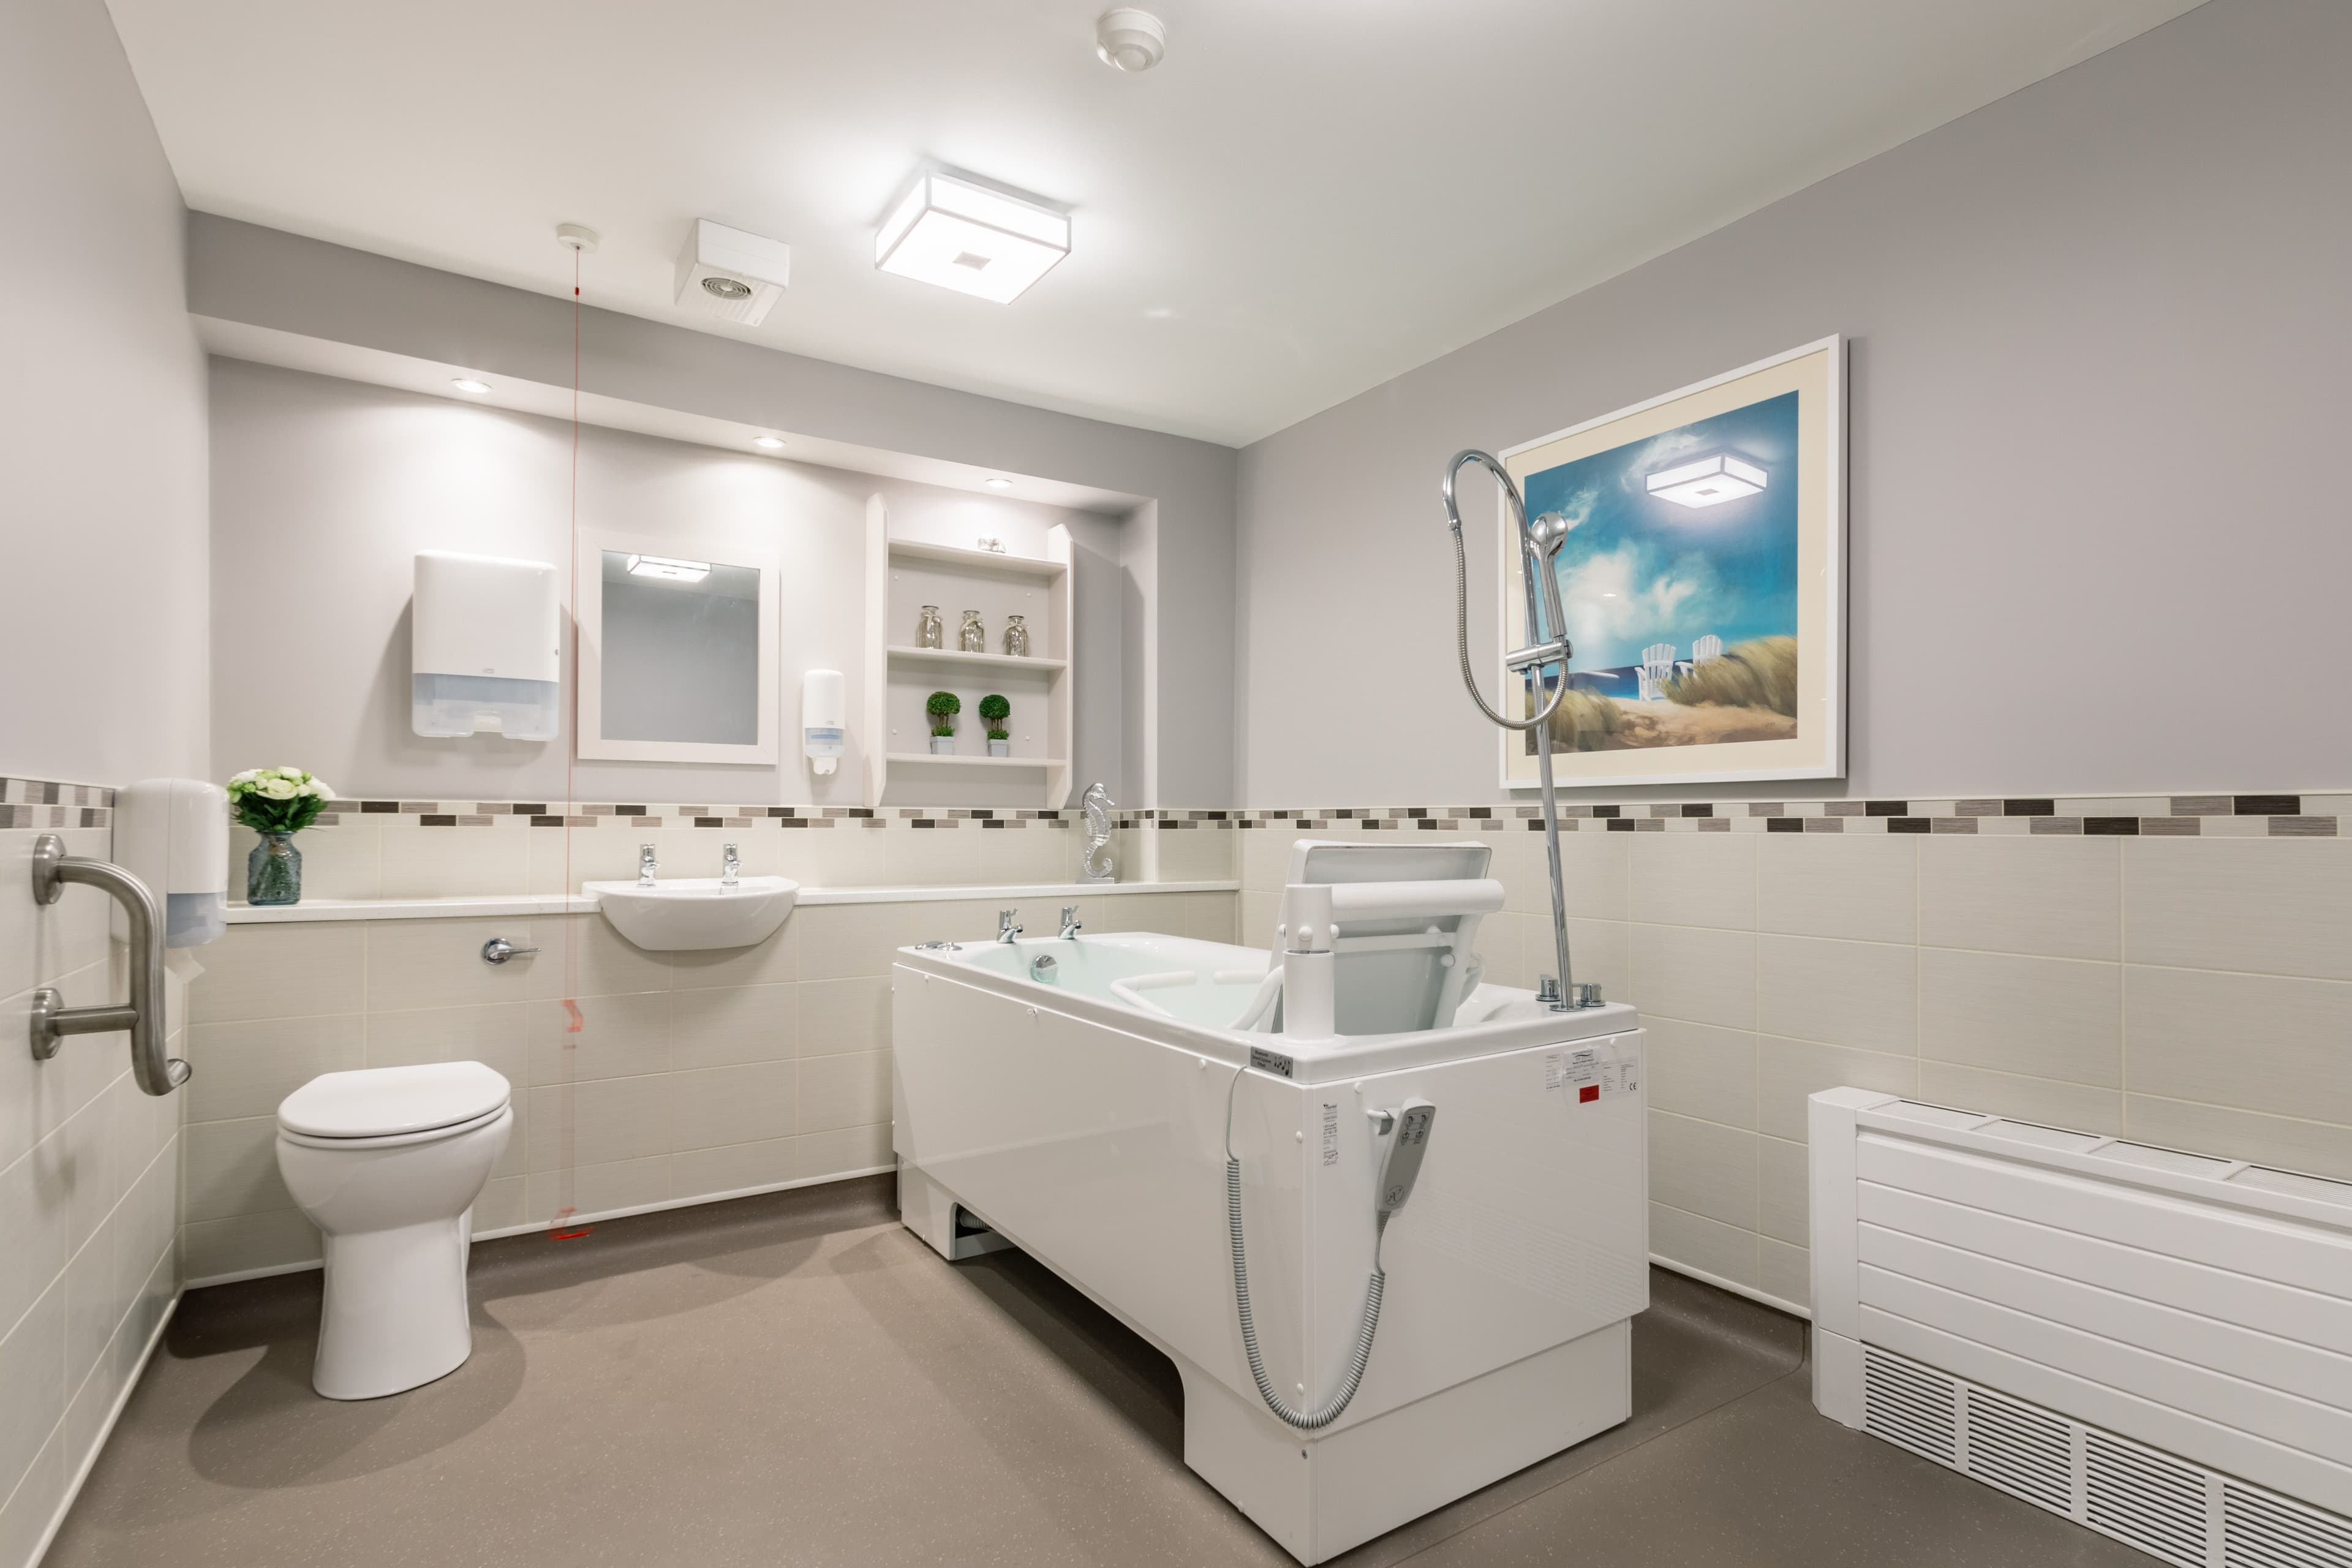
(1409, 1140)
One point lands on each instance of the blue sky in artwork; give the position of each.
(1637, 570)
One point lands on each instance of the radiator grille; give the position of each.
(2176, 1511)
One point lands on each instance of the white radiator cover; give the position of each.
(2155, 1344)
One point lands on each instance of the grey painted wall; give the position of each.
(324, 490)
(264, 277)
(101, 420)
(2100, 340)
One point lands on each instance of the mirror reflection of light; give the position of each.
(668, 569)
(1711, 481)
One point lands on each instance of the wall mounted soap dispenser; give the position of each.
(488, 640)
(823, 713)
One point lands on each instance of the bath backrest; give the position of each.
(1406, 929)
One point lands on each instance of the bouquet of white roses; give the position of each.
(277, 800)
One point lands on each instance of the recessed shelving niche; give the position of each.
(902, 575)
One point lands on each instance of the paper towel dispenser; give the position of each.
(487, 635)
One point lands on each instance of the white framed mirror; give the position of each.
(677, 649)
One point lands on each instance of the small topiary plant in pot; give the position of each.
(943, 706)
(993, 710)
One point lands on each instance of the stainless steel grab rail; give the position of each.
(142, 1014)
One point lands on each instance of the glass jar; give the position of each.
(1016, 637)
(931, 631)
(972, 637)
(273, 871)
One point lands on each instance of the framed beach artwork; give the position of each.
(1703, 580)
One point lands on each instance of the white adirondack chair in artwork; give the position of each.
(1657, 669)
(1707, 648)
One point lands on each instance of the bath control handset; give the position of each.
(1406, 1147)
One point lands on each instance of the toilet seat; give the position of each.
(376, 1108)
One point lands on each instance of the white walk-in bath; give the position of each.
(1437, 1233)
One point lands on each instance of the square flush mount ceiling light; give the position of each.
(972, 239)
(1711, 481)
(668, 568)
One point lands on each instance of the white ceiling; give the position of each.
(1306, 199)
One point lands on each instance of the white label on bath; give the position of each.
(1588, 1074)
(1330, 1134)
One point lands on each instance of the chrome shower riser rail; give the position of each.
(142, 1014)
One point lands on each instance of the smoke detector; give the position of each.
(732, 275)
(1129, 40)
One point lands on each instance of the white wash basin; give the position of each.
(678, 913)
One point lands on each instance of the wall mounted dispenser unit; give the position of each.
(489, 636)
(824, 714)
(172, 834)
(735, 276)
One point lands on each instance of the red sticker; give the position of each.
(1590, 1092)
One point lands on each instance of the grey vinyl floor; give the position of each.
(796, 1380)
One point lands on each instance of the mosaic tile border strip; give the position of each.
(41, 803)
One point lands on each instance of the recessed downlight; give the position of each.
(1000, 484)
(468, 385)
(768, 443)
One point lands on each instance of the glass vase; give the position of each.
(931, 631)
(273, 871)
(972, 637)
(1016, 637)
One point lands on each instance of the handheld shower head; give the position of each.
(1549, 531)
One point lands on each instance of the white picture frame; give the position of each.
(588, 618)
(1815, 373)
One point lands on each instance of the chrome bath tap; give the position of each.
(1070, 926)
(1005, 929)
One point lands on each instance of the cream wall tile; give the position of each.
(1860, 994)
(840, 941)
(1699, 976)
(776, 962)
(438, 964)
(851, 1091)
(2318, 1148)
(146, 1222)
(2258, 1042)
(282, 971)
(2041, 1101)
(771, 1162)
(601, 1188)
(1189, 855)
(2049, 1017)
(581, 955)
(1601, 951)
(1259, 913)
(1212, 917)
(1710, 1247)
(1703, 1168)
(232, 1169)
(440, 862)
(838, 1017)
(25, 1517)
(244, 1069)
(606, 1120)
(1784, 1273)
(844, 1150)
(1783, 1196)
(1693, 878)
(1863, 888)
(619, 1037)
(1595, 871)
(40, 941)
(1786, 1071)
(734, 1105)
(1699, 1071)
(95, 1305)
(561, 858)
(721, 1028)
(2263, 905)
(280, 1238)
(975, 920)
(2059, 898)
(32, 1384)
(1266, 857)
(496, 1034)
(501, 1204)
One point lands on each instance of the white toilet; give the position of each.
(387, 1161)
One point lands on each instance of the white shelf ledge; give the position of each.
(960, 760)
(557, 904)
(902, 653)
(982, 560)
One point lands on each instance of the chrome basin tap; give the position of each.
(1005, 929)
(1070, 925)
(644, 865)
(734, 869)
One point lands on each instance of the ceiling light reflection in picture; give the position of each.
(1709, 482)
(987, 243)
(668, 569)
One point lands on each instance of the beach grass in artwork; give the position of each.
(1679, 585)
